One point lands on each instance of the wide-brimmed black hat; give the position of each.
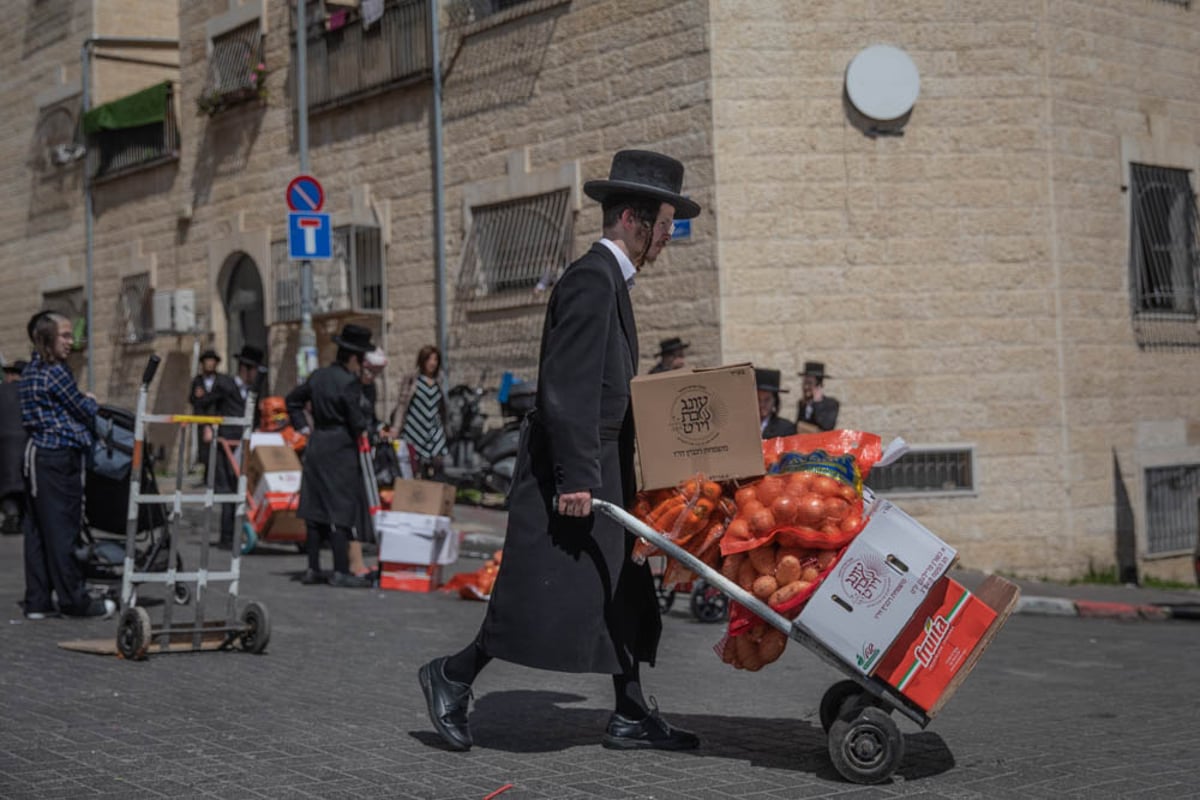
(769, 380)
(816, 369)
(672, 345)
(210, 353)
(17, 366)
(354, 337)
(646, 173)
(250, 355)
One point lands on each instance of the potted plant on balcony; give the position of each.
(252, 87)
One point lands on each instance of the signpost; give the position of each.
(310, 238)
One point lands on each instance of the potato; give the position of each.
(787, 592)
(787, 569)
(825, 558)
(747, 650)
(810, 573)
(763, 559)
(747, 575)
(771, 646)
(729, 568)
(764, 586)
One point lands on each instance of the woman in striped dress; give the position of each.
(423, 400)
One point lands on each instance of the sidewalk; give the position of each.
(484, 533)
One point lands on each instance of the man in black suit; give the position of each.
(816, 407)
(12, 449)
(768, 384)
(227, 398)
(568, 597)
(670, 355)
(202, 386)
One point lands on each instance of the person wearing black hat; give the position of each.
(670, 355)
(202, 385)
(567, 596)
(227, 398)
(12, 449)
(332, 488)
(767, 381)
(816, 407)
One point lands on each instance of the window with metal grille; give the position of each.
(135, 315)
(927, 470)
(461, 12)
(516, 245)
(1171, 494)
(1164, 256)
(233, 74)
(125, 140)
(351, 281)
(349, 59)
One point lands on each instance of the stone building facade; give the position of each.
(974, 285)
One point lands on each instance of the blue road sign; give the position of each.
(304, 193)
(310, 237)
(682, 229)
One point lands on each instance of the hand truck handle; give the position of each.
(151, 368)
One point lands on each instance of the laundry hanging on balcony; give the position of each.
(372, 10)
(140, 108)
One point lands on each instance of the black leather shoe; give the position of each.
(311, 577)
(448, 703)
(651, 733)
(348, 581)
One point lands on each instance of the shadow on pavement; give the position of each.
(537, 722)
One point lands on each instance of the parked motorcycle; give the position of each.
(481, 458)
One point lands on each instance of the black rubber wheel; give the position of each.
(708, 604)
(831, 703)
(249, 538)
(666, 597)
(183, 593)
(864, 744)
(256, 628)
(133, 633)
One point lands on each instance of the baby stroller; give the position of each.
(101, 549)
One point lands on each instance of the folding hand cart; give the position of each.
(136, 635)
(865, 744)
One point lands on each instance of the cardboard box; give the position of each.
(407, 538)
(875, 588)
(697, 420)
(269, 458)
(409, 577)
(423, 497)
(937, 643)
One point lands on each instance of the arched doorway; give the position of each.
(245, 319)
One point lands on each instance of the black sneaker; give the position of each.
(311, 577)
(100, 607)
(347, 581)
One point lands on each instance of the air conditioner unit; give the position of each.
(175, 311)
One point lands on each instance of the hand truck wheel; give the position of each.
(250, 538)
(666, 597)
(865, 745)
(133, 633)
(707, 602)
(831, 703)
(256, 628)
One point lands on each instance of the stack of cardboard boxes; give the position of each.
(273, 484)
(888, 609)
(415, 536)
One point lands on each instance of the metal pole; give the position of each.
(85, 80)
(439, 190)
(308, 338)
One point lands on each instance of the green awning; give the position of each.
(140, 108)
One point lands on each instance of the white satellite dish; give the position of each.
(882, 83)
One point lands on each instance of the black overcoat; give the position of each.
(778, 426)
(332, 491)
(567, 597)
(12, 440)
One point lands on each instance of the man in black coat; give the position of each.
(568, 597)
(816, 407)
(202, 386)
(332, 490)
(12, 449)
(227, 398)
(768, 384)
(670, 355)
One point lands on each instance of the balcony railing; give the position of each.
(348, 60)
(351, 281)
(134, 132)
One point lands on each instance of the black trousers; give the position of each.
(339, 542)
(225, 482)
(54, 500)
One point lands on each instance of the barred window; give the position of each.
(927, 470)
(233, 74)
(516, 245)
(1164, 256)
(134, 132)
(1171, 494)
(351, 281)
(135, 315)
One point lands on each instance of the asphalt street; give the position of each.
(1058, 707)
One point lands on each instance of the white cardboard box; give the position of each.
(268, 438)
(406, 538)
(861, 607)
(281, 482)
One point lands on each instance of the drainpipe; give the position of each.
(439, 190)
(85, 79)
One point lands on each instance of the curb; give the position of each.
(1095, 609)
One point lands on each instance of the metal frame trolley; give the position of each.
(865, 744)
(137, 637)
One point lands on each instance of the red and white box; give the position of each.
(413, 548)
(937, 644)
(409, 577)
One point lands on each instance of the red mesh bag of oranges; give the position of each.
(693, 515)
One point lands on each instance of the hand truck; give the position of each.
(865, 744)
(136, 636)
